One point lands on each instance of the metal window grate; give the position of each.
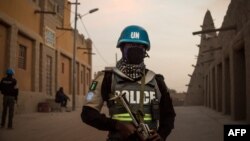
(62, 67)
(22, 57)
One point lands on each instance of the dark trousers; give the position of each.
(8, 105)
(64, 103)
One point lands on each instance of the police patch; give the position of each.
(89, 96)
(93, 86)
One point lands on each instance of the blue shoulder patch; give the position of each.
(89, 96)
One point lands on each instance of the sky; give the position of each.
(169, 23)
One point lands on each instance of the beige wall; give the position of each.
(64, 40)
(25, 13)
(77, 79)
(67, 13)
(65, 78)
(27, 28)
(227, 78)
(195, 93)
(3, 49)
(65, 43)
(23, 16)
(83, 77)
(24, 75)
(83, 67)
(22, 27)
(3, 53)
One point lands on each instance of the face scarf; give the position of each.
(133, 71)
(132, 64)
(134, 55)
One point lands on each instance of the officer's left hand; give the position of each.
(154, 136)
(126, 129)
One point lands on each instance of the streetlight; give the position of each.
(91, 53)
(74, 53)
(90, 12)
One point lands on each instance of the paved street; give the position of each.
(197, 123)
(192, 124)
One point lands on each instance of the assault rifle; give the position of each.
(142, 128)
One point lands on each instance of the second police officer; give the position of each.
(8, 87)
(130, 76)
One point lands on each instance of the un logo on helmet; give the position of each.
(134, 35)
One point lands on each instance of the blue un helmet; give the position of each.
(134, 34)
(10, 71)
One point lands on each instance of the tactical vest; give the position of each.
(121, 84)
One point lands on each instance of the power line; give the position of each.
(64, 31)
(93, 43)
(73, 12)
(88, 36)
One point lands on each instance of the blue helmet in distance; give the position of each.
(10, 71)
(134, 34)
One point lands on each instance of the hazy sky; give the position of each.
(169, 23)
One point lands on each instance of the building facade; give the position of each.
(223, 83)
(35, 43)
(205, 58)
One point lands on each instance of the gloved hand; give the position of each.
(126, 129)
(154, 136)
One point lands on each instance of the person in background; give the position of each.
(9, 89)
(61, 97)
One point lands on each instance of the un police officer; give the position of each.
(145, 91)
(8, 86)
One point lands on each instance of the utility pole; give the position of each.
(74, 53)
(74, 59)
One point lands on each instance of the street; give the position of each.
(195, 123)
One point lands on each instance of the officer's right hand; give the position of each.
(126, 129)
(154, 136)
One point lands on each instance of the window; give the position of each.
(52, 5)
(22, 57)
(56, 8)
(49, 75)
(88, 77)
(81, 76)
(62, 67)
(41, 68)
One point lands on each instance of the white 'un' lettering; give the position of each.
(135, 35)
